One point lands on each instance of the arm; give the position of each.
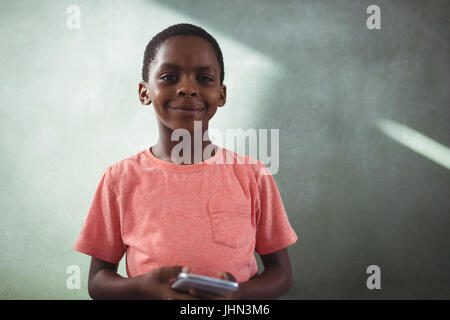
(273, 282)
(105, 283)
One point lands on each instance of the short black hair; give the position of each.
(176, 30)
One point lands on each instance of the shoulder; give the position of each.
(128, 166)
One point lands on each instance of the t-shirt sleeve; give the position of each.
(100, 236)
(274, 232)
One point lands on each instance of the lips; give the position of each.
(183, 108)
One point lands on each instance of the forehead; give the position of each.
(186, 51)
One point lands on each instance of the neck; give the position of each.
(188, 148)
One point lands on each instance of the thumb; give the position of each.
(174, 271)
(185, 269)
(226, 276)
(170, 272)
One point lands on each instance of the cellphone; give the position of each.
(186, 281)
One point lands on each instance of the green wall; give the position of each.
(312, 69)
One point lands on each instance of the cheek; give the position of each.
(160, 93)
(155, 93)
(212, 97)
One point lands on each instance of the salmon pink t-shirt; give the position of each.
(210, 216)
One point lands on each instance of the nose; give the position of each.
(187, 89)
(186, 92)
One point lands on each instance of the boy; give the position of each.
(167, 210)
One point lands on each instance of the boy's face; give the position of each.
(184, 83)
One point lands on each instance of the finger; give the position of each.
(171, 272)
(202, 294)
(181, 296)
(226, 297)
(177, 271)
(223, 275)
(185, 269)
(227, 276)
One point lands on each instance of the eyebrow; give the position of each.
(177, 67)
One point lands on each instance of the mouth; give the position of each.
(188, 110)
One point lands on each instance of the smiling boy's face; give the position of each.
(184, 83)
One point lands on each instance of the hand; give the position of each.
(156, 283)
(204, 295)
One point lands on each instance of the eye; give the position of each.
(205, 79)
(168, 77)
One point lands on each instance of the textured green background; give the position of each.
(69, 109)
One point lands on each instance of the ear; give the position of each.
(223, 95)
(144, 94)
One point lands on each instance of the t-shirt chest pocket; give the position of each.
(230, 224)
